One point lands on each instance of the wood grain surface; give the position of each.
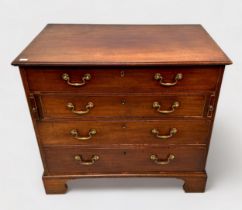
(60, 160)
(67, 44)
(127, 132)
(135, 80)
(125, 106)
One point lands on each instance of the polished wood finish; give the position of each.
(126, 106)
(125, 132)
(123, 61)
(122, 44)
(202, 78)
(54, 186)
(60, 160)
(194, 182)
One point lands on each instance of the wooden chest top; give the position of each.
(75, 44)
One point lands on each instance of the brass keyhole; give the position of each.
(124, 126)
(123, 101)
(122, 73)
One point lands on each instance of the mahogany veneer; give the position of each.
(122, 101)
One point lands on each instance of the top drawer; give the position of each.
(123, 80)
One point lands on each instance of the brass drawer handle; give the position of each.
(156, 105)
(92, 132)
(79, 158)
(162, 162)
(158, 76)
(173, 131)
(85, 78)
(88, 107)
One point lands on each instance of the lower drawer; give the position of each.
(77, 160)
(159, 132)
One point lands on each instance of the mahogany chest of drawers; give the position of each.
(122, 101)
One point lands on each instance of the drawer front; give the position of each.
(81, 107)
(74, 160)
(161, 132)
(121, 80)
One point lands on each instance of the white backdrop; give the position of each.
(20, 165)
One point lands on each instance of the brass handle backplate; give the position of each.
(85, 78)
(76, 135)
(158, 76)
(93, 159)
(88, 107)
(158, 161)
(173, 131)
(157, 106)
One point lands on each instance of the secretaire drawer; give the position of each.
(74, 160)
(160, 132)
(122, 80)
(85, 107)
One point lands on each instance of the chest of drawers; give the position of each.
(122, 101)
